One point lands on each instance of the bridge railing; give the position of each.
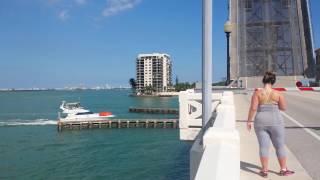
(190, 113)
(219, 148)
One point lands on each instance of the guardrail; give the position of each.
(190, 113)
(220, 148)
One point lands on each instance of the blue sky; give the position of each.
(58, 43)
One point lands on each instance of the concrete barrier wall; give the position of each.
(190, 113)
(282, 81)
(218, 157)
(196, 153)
(219, 162)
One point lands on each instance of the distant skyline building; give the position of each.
(274, 35)
(153, 70)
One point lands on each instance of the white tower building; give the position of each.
(153, 70)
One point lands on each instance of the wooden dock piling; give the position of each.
(118, 123)
(154, 110)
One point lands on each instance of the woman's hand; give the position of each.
(249, 125)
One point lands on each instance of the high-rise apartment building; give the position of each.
(153, 70)
(274, 35)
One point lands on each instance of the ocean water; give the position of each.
(32, 148)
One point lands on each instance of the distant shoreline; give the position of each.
(133, 95)
(31, 90)
(161, 94)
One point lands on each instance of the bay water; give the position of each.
(32, 148)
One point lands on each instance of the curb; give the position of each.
(293, 89)
(298, 89)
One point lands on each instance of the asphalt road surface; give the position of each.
(302, 120)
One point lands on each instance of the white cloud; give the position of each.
(116, 6)
(64, 15)
(113, 7)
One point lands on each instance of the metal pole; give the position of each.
(206, 62)
(228, 58)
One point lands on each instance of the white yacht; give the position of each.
(75, 112)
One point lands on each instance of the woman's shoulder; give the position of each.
(258, 91)
(276, 95)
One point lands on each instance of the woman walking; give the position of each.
(265, 107)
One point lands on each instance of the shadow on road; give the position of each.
(252, 168)
(298, 127)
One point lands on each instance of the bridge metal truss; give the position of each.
(269, 37)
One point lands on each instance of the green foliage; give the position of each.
(220, 83)
(148, 90)
(177, 80)
(133, 84)
(184, 86)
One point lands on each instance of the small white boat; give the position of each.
(75, 112)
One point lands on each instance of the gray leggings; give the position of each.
(276, 134)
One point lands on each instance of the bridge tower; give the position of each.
(318, 66)
(271, 35)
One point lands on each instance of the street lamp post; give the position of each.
(227, 30)
(206, 62)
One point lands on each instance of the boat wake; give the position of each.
(21, 122)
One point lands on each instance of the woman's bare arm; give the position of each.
(282, 103)
(253, 106)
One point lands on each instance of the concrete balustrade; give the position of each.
(218, 156)
(219, 162)
(190, 113)
(226, 113)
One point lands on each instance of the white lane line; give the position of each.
(300, 125)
